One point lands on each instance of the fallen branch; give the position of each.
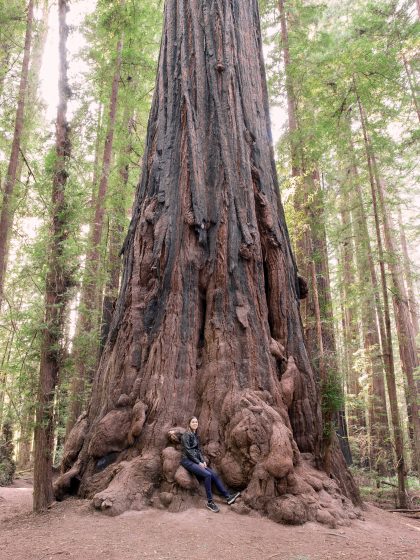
(336, 535)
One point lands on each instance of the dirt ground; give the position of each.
(72, 530)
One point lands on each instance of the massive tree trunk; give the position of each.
(10, 182)
(56, 290)
(207, 321)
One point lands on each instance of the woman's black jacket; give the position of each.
(191, 448)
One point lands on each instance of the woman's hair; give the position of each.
(189, 421)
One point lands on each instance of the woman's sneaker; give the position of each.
(232, 497)
(212, 507)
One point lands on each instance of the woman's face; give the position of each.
(194, 424)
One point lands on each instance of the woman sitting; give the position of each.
(193, 461)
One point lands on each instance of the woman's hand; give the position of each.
(203, 465)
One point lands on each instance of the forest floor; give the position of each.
(72, 530)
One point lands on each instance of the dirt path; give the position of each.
(71, 530)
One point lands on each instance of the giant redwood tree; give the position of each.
(207, 321)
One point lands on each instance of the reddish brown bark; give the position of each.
(10, 181)
(89, 314)
(388, 351)
(371, 315)
(405, 331)
(408, 274)
(207, 321)
(56, 290)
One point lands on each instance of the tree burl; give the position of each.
(207, 321)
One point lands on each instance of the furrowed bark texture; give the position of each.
(207, 321)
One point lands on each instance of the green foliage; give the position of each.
(382, 490)
(332, 400)
(7, 464)
(332, 394)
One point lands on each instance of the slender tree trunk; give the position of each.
(96, 157)
(408, 274)
(3, 374)
(25, 440)
(291, 99)
(389, 356)
(207, 321)
(356, 419)
(40, 41)
(85, 355)
(405, 331)
(412, 85)
(10, 182)
(56, 289)
(3, 381)
(374, 337)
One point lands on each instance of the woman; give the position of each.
(193, 461)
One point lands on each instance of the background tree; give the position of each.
(56, 290)
(9, 185)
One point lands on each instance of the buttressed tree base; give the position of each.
(207, 321)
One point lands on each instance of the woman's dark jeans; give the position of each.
(208, 475)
